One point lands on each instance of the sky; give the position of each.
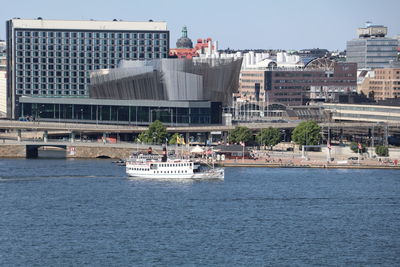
(251, 24)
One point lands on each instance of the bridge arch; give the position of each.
(32, 150)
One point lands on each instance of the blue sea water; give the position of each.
(87, 213)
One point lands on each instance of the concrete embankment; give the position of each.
(72, 150)
(322, 166)
(12, 151)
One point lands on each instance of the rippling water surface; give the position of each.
(86, 212)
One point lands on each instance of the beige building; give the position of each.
(385, 84)
(251, 85)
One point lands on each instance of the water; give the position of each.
(86, 213)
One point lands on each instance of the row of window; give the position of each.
(90, 42)
(92, 60)
(244, 74)
(67, 48)
(21, 67)
(51, 92)
(29, 86)
(174, 165)
(158, 172)
(36, 73)
(119, 35)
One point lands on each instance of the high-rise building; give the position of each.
(372, 49)
(54, 58)
(3, 79)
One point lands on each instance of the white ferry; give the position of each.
(157, 167)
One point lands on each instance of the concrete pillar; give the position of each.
(45, 136)
(19, 135)
(104, 138)
(72, 137)
(187, 137)
(225, 137)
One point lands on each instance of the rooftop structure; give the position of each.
(371, 30)
(184, 41)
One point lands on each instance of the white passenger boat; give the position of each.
(160, 167)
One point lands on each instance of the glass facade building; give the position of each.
(54, 58)
(130, 112)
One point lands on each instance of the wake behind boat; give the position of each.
(161, 167)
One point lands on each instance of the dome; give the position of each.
(184, 41)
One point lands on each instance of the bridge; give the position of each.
(338, 129)
(29, 149)
(101, 128)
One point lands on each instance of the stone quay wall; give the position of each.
(12, 151)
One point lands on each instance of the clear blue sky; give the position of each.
(277, 24)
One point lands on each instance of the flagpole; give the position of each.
(243, 144)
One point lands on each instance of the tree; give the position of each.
(354, 147)
(157, 133)
(240, 134)
(269, 136)
(382, 151)
(173, 139)
(307, 133)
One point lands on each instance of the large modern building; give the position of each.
(174, 91)
(54, 58)
(372, 49)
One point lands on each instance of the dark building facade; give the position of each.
(129, 112)
(292, 87)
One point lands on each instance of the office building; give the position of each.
(291, 87)
(385, 84)
(54, 58)
(372, 49)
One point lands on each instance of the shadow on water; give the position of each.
(52, 154)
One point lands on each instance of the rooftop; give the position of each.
(88, 24)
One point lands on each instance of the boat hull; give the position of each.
(211, 174)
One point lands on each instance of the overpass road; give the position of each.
(105, 128)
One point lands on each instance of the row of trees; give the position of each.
(306, 133)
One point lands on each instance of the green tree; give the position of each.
(157, 133)
(173, 139)
(269, 137)
(240, 134)
(307, 133)
(382, 151)
(355, 149)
